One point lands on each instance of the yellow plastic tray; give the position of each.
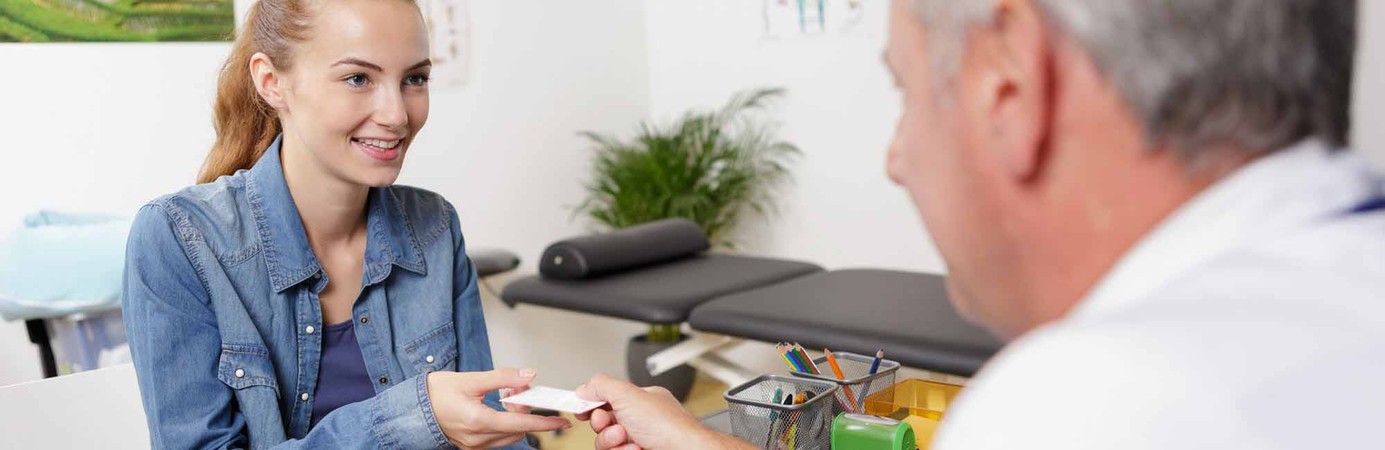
(919, 403)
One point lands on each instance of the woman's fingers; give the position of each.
(477, 384)
(513, 407)
(509, 422)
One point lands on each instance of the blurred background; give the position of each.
(105, 127)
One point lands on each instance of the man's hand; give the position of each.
(468, 423)
(646, 418)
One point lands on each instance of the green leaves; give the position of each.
(708, 167)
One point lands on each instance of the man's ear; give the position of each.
(267, 81)
(1016, 88)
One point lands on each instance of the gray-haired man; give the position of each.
(1146, 198)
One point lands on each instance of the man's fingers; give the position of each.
(480, 383)
(612, 437)
(604, 388)
(600, 419)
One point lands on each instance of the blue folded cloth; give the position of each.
(62, 263)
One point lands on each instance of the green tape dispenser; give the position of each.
(851, 431)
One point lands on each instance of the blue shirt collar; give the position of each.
(390, 237)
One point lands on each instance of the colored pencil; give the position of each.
(788, 356)
(874, 367)
(798, 362)
(812, 366)
(832, 360)
(837, 369)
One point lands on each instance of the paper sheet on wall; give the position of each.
(787, 19)
(449, 34)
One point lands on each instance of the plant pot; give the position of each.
(678, 380)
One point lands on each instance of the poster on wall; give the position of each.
(116, 20)
(787, 19)
(449, 30)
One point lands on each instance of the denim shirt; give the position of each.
(221, 308)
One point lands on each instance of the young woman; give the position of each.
(307, 302)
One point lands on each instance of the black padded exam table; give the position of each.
(859, 310)
(660, 294)
(492, 261)
(661, 274)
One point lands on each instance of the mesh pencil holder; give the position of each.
(857, 382)
(757, 419)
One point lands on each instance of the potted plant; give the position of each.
(711, 167)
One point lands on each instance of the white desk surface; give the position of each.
(93, 409)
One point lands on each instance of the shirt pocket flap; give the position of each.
(435, 350)
(242, 366)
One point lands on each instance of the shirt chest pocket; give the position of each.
(435, 351)
(245, 366)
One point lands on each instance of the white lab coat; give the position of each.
(1251, 318)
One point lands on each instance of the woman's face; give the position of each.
(358, 91)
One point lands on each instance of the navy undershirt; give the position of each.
(341, 378)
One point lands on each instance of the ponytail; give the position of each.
(244, 123)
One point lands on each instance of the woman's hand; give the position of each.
(470, 424)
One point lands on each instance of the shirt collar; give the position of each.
(390, 238)
(1292, 187)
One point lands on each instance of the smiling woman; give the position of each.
(297, 297)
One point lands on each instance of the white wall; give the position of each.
(108, 127)
(97, 128)
(1368, 136)
(840, 109)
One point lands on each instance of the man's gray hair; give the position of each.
(1251, 74)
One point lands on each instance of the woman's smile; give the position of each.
(380, 149)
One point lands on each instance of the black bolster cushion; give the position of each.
(628, 248)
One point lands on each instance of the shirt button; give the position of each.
(240, 373)
(365, 320)
(304, 397)
(429, 359)
(384, 380)
(309, 329)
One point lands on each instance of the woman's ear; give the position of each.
(267, 81)
(1017, 91)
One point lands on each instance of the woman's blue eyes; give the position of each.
(360, 80)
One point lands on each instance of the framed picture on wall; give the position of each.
(116, 20)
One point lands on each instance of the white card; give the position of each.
(554, 399)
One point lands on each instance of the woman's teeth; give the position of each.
(380, 144)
